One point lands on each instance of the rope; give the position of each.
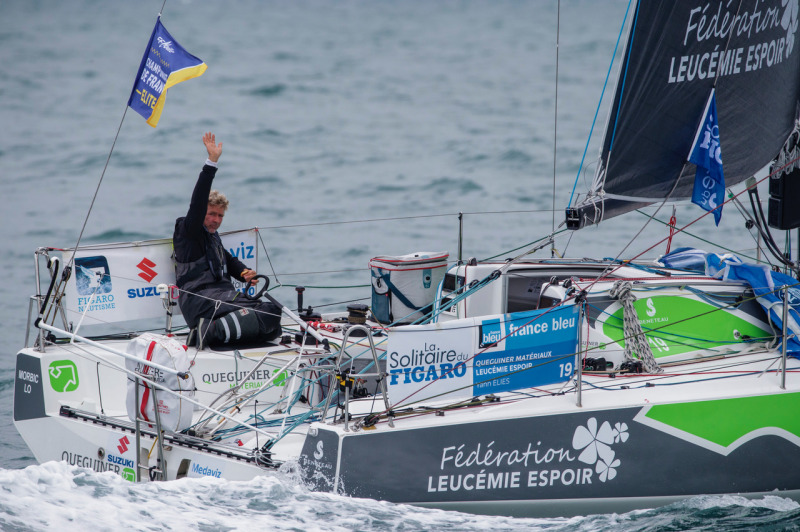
(636, 341)
(673, 221)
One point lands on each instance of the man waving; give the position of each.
(208, 300)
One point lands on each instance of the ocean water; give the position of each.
(351, 129)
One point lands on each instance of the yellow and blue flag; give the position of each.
(165, 63)
(706, 153)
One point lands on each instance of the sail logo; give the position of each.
(733, 42)
(63, 376)
(166, 45)
(147, 272)
(92, 275)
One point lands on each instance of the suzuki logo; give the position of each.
(147, 273)
(123, 445)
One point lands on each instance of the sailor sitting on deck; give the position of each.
(204, 269)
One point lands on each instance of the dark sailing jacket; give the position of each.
(203, 265)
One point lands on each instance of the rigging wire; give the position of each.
(96, 191)
(102, 175)
(555, 128)
(698, 237)
(697, 219)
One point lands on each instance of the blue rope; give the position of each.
(597, 111)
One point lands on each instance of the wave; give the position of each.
(452, 185)
(65, 496)
(263, 180)
(268, 91)
(118, 235)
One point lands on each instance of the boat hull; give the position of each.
(595, 461)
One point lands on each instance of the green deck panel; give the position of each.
(675, 325)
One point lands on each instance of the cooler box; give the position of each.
(404, 287)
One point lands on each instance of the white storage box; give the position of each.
(404, 287)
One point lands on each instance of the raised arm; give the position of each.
(199, 201)
(214, 149)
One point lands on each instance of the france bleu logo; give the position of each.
(491, 332)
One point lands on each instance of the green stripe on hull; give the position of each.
(727, 423)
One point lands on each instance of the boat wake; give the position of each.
(65, 496)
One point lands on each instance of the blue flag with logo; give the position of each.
(709, 181)
(165, 63)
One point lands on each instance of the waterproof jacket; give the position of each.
(202, 264)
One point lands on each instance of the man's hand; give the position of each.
(248, 275)
(214, 150)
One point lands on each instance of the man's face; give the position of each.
(214, 216)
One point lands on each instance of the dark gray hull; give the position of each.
(547, 465)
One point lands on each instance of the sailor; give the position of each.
(217, 312)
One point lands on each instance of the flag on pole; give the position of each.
(709, 181)
(165, 63)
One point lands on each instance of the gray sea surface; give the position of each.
(350, 129)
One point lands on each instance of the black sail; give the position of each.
(677, 50)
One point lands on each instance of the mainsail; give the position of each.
(677, 51)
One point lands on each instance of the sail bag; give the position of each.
(404, 287)
(174, 411)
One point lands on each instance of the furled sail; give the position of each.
(677, 51)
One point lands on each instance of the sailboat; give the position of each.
(525, 387)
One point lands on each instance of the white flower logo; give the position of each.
(607, 470)
(620, 432)
(596, 444)
(789, 23)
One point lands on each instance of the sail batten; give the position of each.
(677, 50)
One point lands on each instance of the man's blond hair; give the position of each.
(218, 199)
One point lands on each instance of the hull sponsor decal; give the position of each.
(28, 389)
(585, 455)
(63, 375)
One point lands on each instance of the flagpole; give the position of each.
(68, 267)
